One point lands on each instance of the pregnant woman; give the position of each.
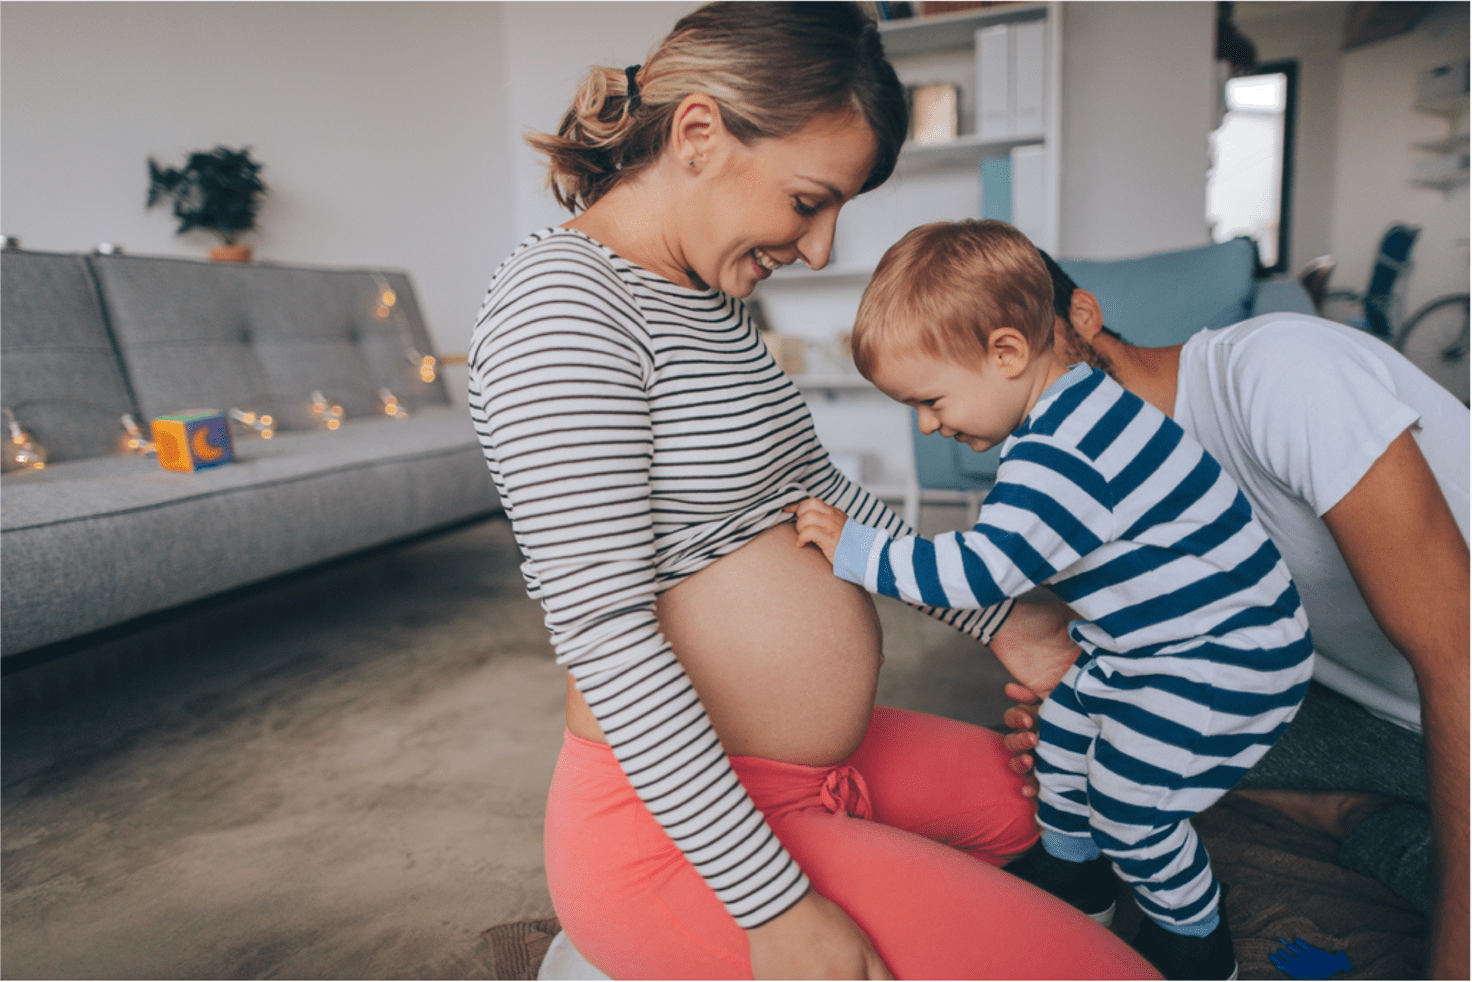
(728, 801)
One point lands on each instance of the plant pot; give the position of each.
(231, 254)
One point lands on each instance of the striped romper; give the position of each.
(638, 431)
(1196, 650)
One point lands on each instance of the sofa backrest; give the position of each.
(1163, 299)
(261, 337)
(60, 374)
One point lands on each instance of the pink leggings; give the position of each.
(906, 836)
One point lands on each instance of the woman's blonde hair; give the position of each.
(771, 67)
(943, 289)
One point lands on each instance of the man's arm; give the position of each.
(1410, 562)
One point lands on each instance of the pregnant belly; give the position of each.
(784, 655)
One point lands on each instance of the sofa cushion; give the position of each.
(1165, 298)
(95, 542)
(259, 337)
(61, 375)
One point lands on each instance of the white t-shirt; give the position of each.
(1297, 408)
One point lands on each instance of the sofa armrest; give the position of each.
(1287, 296)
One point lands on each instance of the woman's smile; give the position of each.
(765, 261)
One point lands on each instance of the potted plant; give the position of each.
(218, 190)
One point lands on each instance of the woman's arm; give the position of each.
(1410, 562)
(561, 375)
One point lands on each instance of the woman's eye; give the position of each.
(803, 208)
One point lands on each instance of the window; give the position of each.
(1247, 185)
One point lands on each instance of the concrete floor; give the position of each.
(342, 776)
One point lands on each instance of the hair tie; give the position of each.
(633, 95)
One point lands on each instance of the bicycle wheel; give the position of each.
(1436, 341)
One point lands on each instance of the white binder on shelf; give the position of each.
(1028, 71)
(994, 82)
(1027, 190)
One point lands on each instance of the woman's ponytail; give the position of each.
(772, 68)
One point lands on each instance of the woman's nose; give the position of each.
(815, 245)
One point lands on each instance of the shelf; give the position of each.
(846, 382)
(1450, 106)
(889, 492)
(1442, 183)
(968, 150)
(1449, 145)
(828, 274)
(949, 32)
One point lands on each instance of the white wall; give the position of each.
(1377, 125)
(381, 125)
(1138, 103)
(549, 49)
(1311, 35)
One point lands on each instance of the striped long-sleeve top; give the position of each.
(1106, 500)
(637, 431)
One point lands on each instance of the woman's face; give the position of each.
(756, 208)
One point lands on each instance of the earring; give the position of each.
(690, 162)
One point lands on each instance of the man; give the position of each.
(1357, 464)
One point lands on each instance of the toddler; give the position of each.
(1196, 651)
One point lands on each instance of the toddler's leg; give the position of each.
(1066, 861)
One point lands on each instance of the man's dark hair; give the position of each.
(1063, 287)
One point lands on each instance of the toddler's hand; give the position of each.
(819, 523)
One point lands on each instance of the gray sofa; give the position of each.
(99, 538)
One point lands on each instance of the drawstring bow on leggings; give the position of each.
(844, 790)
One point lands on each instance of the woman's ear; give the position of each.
(1007, 349)
(1084, 314)
(696, 128)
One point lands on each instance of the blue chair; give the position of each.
(1375, 309)
(1151, 301)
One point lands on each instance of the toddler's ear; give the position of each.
(1009, 351)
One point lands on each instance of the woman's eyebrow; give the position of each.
(832, 189)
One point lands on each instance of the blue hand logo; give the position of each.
(1300, 960)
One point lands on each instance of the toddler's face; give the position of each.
(975, 404)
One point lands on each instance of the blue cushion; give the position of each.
(1163, 299)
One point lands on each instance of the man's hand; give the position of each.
(813, 939)
(1023, 719)
(1034, 646)
(819, 523)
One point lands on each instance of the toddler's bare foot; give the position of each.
(1334, 813)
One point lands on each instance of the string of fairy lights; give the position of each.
(20, 450)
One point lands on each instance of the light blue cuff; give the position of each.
(851, 558)
(1074, 848)
(1196, 929)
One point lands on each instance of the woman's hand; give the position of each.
(813, 939)
(1023, 719)
(819, 523)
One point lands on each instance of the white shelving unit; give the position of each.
(1449, 153)
(931, 182)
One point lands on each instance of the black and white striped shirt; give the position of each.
(637, 431)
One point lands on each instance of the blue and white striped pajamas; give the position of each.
(1196, 650)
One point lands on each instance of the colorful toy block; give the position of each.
(193, 440)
